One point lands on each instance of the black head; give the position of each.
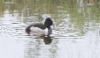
(48, 22)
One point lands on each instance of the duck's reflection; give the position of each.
(47, 40)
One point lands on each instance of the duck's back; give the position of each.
(39, 25)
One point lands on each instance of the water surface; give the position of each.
(76, 33)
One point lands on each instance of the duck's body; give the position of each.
(40, 29)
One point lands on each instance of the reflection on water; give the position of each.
(76, 35)
(47, 40)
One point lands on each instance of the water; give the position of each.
(76, 33)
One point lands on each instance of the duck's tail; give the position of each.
(28, 30)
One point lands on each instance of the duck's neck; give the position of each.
(47, 26)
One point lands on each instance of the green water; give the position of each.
(76, 33)
(79, 12)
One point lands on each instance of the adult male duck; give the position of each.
(40, 29)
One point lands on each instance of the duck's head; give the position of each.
(48, 22)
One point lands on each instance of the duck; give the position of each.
(40, 29)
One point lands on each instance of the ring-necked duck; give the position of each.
(39, 29)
